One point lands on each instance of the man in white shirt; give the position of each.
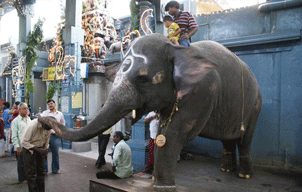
(54, 141)
(151, 118)
(122, 160)
(18, 126)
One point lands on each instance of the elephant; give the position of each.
(116, 47)
(204, 90)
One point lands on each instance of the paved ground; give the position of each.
(200, 174)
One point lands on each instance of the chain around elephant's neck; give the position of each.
(163, 123)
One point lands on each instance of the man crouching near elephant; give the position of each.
(35, 142)
(122, 160)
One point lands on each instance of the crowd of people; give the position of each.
(29, 141)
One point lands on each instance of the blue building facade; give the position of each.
(269, 41)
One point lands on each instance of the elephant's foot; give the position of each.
(245, 169)
(228, 161)
(164, 188)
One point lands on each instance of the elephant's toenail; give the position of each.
(247, 176)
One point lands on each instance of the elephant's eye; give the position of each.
(126, 65)
(142, 80)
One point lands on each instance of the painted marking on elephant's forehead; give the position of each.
(120, 74)
(136, 54)
(118, 79)
(126, 63)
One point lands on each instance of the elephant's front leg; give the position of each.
(166, 157)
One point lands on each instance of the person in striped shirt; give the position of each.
(185, 21)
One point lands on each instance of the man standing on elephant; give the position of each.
(122, 160)
(55, 141)
(185, 21)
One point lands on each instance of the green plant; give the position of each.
(134, 9)
(34, 39)
(51, 91)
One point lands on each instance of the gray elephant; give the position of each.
(204, 90)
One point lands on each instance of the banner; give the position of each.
(76, 100)
(48, 74)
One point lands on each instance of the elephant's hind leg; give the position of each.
(228, 156)
(244, 148)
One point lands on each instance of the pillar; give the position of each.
(139, 144)
(24, 30)
(73, 37)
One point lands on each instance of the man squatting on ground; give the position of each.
(185, 21)
(122, 160)
(19, 124)
(35, 142)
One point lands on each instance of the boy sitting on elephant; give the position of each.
(173, 29)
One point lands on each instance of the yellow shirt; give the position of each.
(172, 29)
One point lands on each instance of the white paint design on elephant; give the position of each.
(130, 55)
(136, 54)
(121, 73)
(118, 79)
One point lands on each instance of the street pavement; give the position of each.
(199, 174)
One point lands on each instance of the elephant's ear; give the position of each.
(190, 67)
(111, 71)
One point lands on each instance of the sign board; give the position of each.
(84, 70)
(65, 104)
(65, 82)
(76, 98)
(48, 74)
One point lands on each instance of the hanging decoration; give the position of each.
(64, 64)
(18, 75)
(57, 41)
(145, 26)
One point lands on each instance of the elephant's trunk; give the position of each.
(121, 101)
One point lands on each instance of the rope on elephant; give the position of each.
(242, 88)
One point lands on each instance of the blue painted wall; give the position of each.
(270, 43)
